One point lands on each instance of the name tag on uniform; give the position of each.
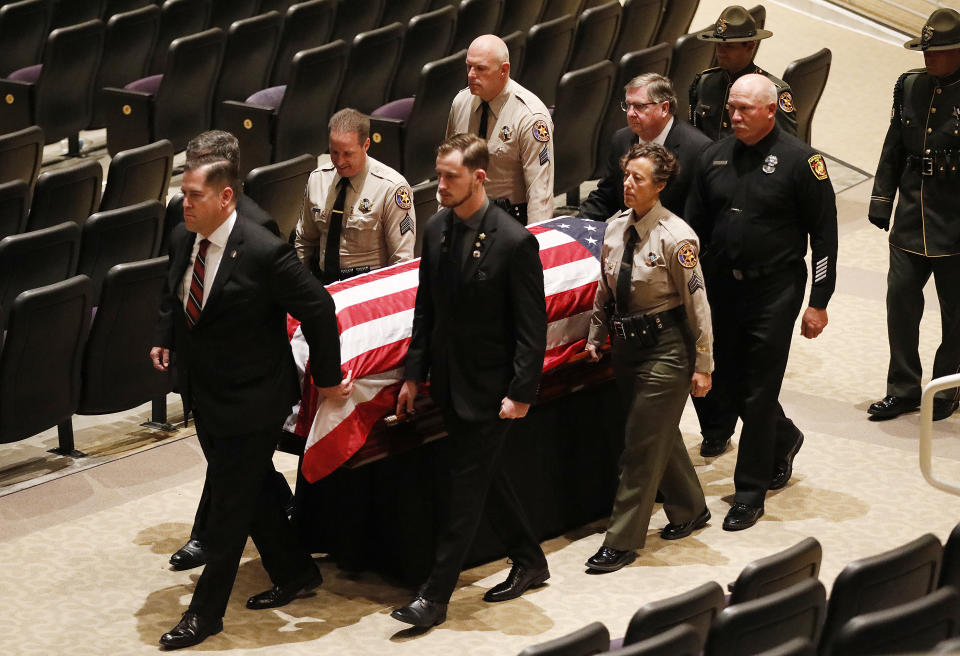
(719, 162)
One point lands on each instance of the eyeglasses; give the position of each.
(637, 107)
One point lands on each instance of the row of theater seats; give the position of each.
(902, 600)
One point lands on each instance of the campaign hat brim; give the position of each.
(710, 35)
(917, 44)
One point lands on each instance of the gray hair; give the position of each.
(659, 89)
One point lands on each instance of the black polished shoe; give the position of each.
(741, 516)
(190, 630)
(192, 554)
(783, 470)
(281, 595)
(519, 580)
(677, 531)
(421, 612)
(891, 406)
(711, 447)
(943, 408)
(608, 559)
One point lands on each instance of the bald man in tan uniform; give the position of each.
(519, 132)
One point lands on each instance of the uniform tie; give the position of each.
(331, 258)
(626, 271)
(484, 118)
(195, 296)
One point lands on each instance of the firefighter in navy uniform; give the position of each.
(736, 35)
(756, 199)
(921, 160)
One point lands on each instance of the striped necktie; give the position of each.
(195, 297)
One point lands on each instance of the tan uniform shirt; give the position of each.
(520, 142)
(378, 217)
(666, 274)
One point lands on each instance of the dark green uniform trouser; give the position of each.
(654, 383)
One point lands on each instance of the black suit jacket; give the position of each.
(684, 141)
(235, 365)
(480, 332)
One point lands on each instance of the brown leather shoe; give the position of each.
(190, 630)
(518, 581)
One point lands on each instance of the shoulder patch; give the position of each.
(785, 101)
(540, 130)
(687, 255)
(818, 166)
(403, 198)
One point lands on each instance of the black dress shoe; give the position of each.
(891, 406)
(192, 554)
(741, 516)
(190, 630)
(677, 531)
(281, 595)
(421, 612)
(608, 559)
(943, 408)
(712, 446)
(518, 581)
(783, 470)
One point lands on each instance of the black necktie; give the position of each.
(484, 118)
(331, 258)
(626, 271)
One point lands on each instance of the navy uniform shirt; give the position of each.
(754, 207)
(708, 101)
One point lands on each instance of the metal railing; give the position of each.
(926, 428)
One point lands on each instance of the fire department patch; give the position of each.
(687, 255)
(818, 166)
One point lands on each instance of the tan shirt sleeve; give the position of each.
(598, 320)
(399, 225)
(311, 233)
(684, 266)
(536, 158)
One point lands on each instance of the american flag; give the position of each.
(375, 317)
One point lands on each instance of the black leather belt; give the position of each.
(645, 328)
(941, 161)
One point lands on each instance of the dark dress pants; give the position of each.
(241, 505)
(276, 485)
(470, 479)
(753, 324)
(906, 278)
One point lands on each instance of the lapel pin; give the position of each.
(476, 255)
(233, 254)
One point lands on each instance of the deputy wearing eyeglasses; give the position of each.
(650, 104)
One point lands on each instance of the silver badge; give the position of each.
(505, 133)
(770, 164)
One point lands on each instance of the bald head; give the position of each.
(488, 66)
(753, 107)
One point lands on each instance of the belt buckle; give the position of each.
(926, 166)
(737, 274)
(619, 328)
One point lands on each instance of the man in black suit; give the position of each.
(224, 315)
(479, 330)
(651, 105)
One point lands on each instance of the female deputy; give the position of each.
(652, 303)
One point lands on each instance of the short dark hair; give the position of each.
(473, 148)
(219, 152)
(349, 120)
(659, 89)
(664, 163)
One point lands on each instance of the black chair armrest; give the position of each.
(386, 141)
(16, 104)
(254, 127)
(129, 118)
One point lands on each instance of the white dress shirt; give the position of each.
(218, 243)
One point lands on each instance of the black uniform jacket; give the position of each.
(708, 101)
(683, 140)
(921, 160)
(480, 332)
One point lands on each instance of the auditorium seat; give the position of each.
(638, 27)
(356, 17)
(73, 12)
(401, 11)
(177, 18)
(57, 94)
(778, 571)
(807, 78)
(117, 375)
(591, 639)
(137, 175)
(283, 122)
(690, 56)
(305, 25)
(520, 15)
(34, 259)
(477, 17)
(794, 647)
(247, 58)
(597, 30)
(675, 20)
(174, 106)
(582, 97)
(14, 196)
(67, 194)
(114, 7)
(111, 237)
(913, 627)
(655, 59)
(879, 582)
(24, 27)
(21, 153)
(949, 646)
(371, 65)
(428, 38)
(950, 564)
(40, 361)
(223, 13)
(517, 47)
(408, 140)
(278, 189)
(276, 5)
(548, 51)
(128, 45)
(748, 628)
(681, 640)
(695, 608)
(557, 8)
(425, 205)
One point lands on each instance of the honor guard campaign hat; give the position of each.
(734, 25)
(941, 32)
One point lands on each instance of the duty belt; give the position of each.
(516, 210)
(940, 161)
(645, 328)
